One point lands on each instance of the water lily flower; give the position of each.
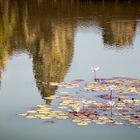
(94, 70)
(77, 108)
(83, 103)
(111, 103)
(111, 87)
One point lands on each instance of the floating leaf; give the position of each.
(31, 111)
(76, 120)
(82, 123)
(81, 109)
(22, 114)
(135, 122)
(52, 97)
(54, 83)
(100, 122)
(44, 117)
(62, 117)
(64, 92)
(30, 117)
(118, 123)
(62, 107)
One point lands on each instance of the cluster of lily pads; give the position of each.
(114, 101)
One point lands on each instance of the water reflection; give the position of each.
(46, 30)
(3, 60)
(119, 34)
(52, 58)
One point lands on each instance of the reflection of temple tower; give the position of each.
(52, 59)
(119, 33)
(123, 33)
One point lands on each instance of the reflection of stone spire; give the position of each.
(123, 33)
(52, 59)
(119, 33)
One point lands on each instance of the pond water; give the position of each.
(44, 41)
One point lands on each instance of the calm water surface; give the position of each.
(50, 41)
